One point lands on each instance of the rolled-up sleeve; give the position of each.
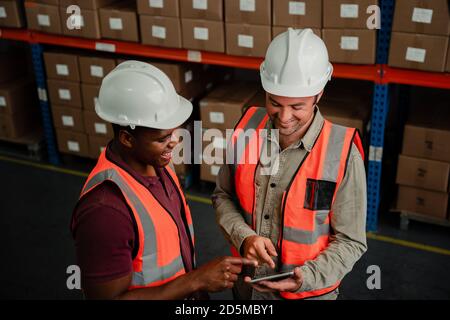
(348, 223)
(228, 214)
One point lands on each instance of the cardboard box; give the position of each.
(94, 69)
(203, 35)
(346, 14)
(297, 14)
(64, 93)
(422, 16)
(43, 17)
(72, 142)
(277, 30)
(418, 51)
(95, 126)
(161, 31)
(431, 203)
(89, 24)
(247, 40)
(222, 108)
(18, 124)
(68, 118)
(202, 9)
(97, 145)
(352, 114)
(427, 130)
(162, 8)
(182, 75)
(90, 94)
(18, 96)
(249, 11)
(423, 173)
(86, 4)
(119, 22)
(11, 14)
(62, 66)
(426, 142)
(351, 46)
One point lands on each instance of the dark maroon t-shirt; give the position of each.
(105, 231)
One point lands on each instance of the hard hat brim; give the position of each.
(180, 115)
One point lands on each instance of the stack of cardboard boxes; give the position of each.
(420, 35)
(202, 25)
(63, 82)
(19, 107)
(63, 17)
(160, 23)
(346, 33)
(248, 27)
(12, 14)
(424, 165)
(92, 71)
(297, 14)
(221, 110)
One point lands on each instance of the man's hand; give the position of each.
(291, 284)
(260, 249)
(221, 273)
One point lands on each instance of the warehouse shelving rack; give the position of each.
(379, 74)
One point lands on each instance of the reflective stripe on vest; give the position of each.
(306, 218)
(148, 269)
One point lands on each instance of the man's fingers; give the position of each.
(261, 288)
(242, 261)
(263, 255)
(270, 248)
(298, 274)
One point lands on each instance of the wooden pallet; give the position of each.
(406, 216)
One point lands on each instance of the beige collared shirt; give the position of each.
(348, 222)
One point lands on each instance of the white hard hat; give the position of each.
(138, 94)
(296, 65)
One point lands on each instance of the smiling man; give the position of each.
(308, 215)
(132, 227)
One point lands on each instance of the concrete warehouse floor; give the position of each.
(36, 205)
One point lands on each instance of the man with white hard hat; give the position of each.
(132, 227)
(307, 215)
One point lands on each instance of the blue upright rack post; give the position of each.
(380, 111)
(38, 65)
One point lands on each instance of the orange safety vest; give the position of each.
(307, 201)
(158, 259)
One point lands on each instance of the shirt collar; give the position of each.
(116, 159)
(310, 136)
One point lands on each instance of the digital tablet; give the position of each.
(278, 276)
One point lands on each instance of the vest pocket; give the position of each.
(319, 194)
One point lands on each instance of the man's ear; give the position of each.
(126, 139)
(319, 97)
